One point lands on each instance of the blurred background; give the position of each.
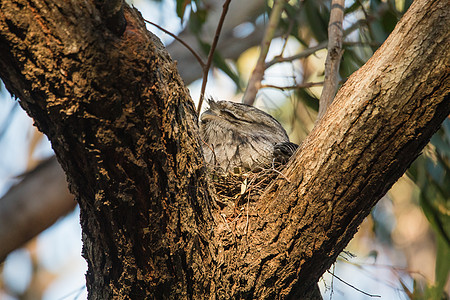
(401, 250)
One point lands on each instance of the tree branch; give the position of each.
(230, 45)
(195, 54)
(305, 53)
(335, 34)
(293, 87)
(123, 127)
(381, 119)
(309, 51)
(254, 82)
(42, 199)
(211, 54)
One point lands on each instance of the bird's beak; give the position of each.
(207, 114)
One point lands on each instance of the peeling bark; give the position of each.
(125, 131)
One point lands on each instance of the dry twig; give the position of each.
(211, 54)
(293, 87)
(197, 57)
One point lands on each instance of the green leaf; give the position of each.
(220, 63)
(350, 62)
(407, 5)
(431, 173)
(197, 19)
(388, 21)
(373, 254)
(375, 4)
(309, 99)
(292, 22)
(436, 212)
(317, 17)
(442, 267)
(181, 8)
(441, 142)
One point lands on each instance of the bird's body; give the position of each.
(239, 135)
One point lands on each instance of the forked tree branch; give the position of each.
(123, 127)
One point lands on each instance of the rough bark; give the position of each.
(377, 125)
(28, 194)
(124, 129)
(117, 114)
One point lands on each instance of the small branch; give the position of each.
(33, 205)
(354, 287)
(305, 53)
(286, 36)
(211, 54)
(309, 51)
(258, 72)
(304, 85)
(362, 44)
(293, 87)
(367, 17)
(278, 172)
(115, 19)
(335, 35)
(197, 57)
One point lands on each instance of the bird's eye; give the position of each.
(228, 113)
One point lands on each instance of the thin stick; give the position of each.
(354, 287)
(211, 54)
(303, 54)
(293, 87)
(197, 57)
(335, 34)
(367, 17)
(362, 44)
(304, 85)
(309, 51)
(286, 36)
(258, 72)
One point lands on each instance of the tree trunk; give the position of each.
(117, 115)
(33, 197)
(125, 131)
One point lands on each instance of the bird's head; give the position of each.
(241, 117)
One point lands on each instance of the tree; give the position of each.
(125, 131)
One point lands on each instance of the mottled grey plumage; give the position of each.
(239, 135)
